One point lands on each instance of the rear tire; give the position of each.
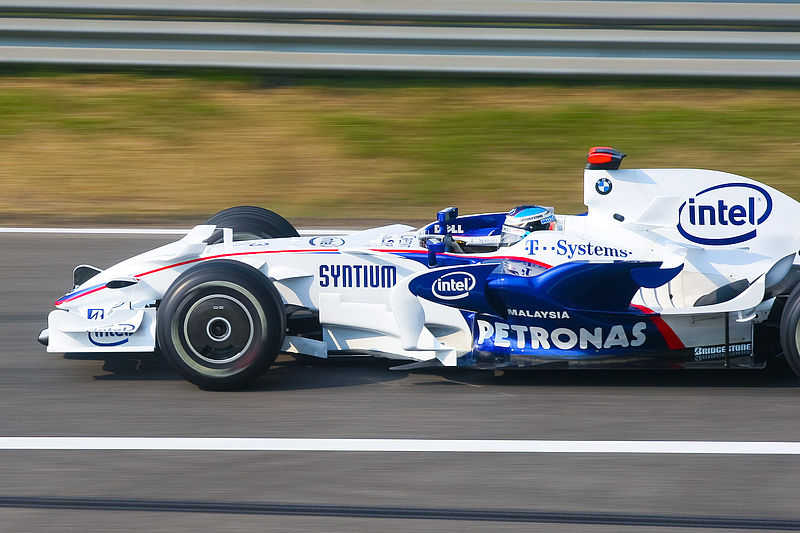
(221, 324)
(252, 223)
(790, 330)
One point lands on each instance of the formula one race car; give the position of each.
(668, 268)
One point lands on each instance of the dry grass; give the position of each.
(100, 148)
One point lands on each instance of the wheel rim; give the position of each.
(218, 329)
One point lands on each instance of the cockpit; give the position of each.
(485, 232)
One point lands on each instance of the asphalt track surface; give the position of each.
(52, 395)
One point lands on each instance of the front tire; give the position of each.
(790, 330)
(221, 324)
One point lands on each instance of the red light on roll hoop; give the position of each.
(598, 158)
(603, 157)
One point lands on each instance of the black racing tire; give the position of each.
(252, 223)
(790, 330)
(221, 324)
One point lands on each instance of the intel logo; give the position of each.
(453, 285)
(724, 214)
(108, 337)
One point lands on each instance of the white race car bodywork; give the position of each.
(715, 231)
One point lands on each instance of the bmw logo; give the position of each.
(603, 186)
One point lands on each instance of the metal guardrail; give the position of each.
(730, 39)
(779, 13)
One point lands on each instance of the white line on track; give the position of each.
(398, 445)
(146, 231)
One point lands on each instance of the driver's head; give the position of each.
(524, 219)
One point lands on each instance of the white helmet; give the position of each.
(524, 219)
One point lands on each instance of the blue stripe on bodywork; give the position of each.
(75, 294)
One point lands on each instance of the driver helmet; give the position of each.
(524, 219)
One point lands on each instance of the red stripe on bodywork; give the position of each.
(312, 250)
(673, 341)
(198, 260)
(233, 255)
